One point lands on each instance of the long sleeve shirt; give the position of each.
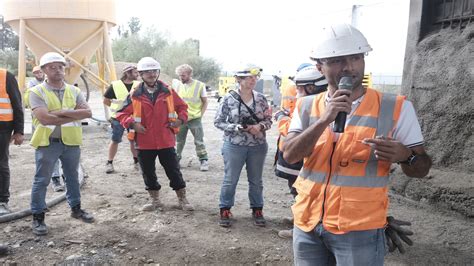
(17, 125)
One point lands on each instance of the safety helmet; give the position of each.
(250, 70)
(310, 76)
(340, 40)
(51, 57)
(303, 65)
(36, 69)
(128, 68)
(148, 63)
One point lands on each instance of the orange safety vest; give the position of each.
(6, 109)
(342, 184)
(137, 114)
(288, 98)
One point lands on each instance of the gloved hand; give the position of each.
(394, 232)
(281, 113)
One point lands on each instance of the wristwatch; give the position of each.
(410, 160)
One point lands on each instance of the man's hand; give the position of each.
(17, 139)
(139, 128)
(280, 114)
(339, 102)
(388, 149)
(394, 232)
(176, 123)
(253, 129)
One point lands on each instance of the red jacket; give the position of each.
(158, 135)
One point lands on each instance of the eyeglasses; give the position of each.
(338, 61)
(252, 71)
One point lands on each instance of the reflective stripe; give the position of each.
(6, 111)
(317, 177)
(287, 170)
(137, 119)
(289, 97)
(360, 181)
(313, 119)
(172, 115)
(385, 124)
(72, 124)
(5, 100)
(116, 101)
(363, 121)
(195, 99)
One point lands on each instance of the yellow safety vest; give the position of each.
(121, 94)
(71, 133)
(191, 94)
(6, 109)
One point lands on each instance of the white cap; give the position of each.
(51, 57)
(249, 70)
(148, 63)
(340, 40)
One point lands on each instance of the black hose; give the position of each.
(49, 204)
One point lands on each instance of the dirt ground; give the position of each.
(122, 234)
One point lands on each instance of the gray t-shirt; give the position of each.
(36, 101)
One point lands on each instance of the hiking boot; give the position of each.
(204, 166)
(78, 213)
(56, 184)
(225, 218)
(154, 203)
(38, 226)
(183, 201)
(288, 221)
(109, 168)
(4, 208)
(258, 219)
(286, 234)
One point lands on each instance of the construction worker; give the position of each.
(154, 111)
(341, 208)
(244, 115)
(308, 81)
(193, 92)
(114, 97)
(58, 109)
(288, 93)
(11, 130)
(39, 78)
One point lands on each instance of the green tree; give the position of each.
(9, 39)
(134, 25)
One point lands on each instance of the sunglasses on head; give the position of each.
(252, 71)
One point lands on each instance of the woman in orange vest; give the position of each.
(154, 111)
(341, 208)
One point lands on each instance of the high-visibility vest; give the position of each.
(288, 97)
(71, 133)
(121, 93)
(191, 94)
(342, 184)
(137, 114)
(6, 109)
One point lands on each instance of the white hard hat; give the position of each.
(250, 70)
(148, 63)
(51, 57)
(310, 75)
(340, 40)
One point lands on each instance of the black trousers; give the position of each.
(169, 161)
(4, 168)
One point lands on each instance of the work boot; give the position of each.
(204, 166)
(224, 221)
(154, 203)
(183, 201)
(38, 226)
(78, 213)
(56, 184)
(258, 218)
(286, 234)
(288, 221)
(4, 208)
(109, 168)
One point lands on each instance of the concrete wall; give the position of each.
(438, 78)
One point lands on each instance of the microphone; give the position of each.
(340, 122)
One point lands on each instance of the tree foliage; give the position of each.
(170, 54)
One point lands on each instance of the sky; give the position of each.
(276, 35)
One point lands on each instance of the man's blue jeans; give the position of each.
(235, 156)
(320, 247)
(45, 158)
